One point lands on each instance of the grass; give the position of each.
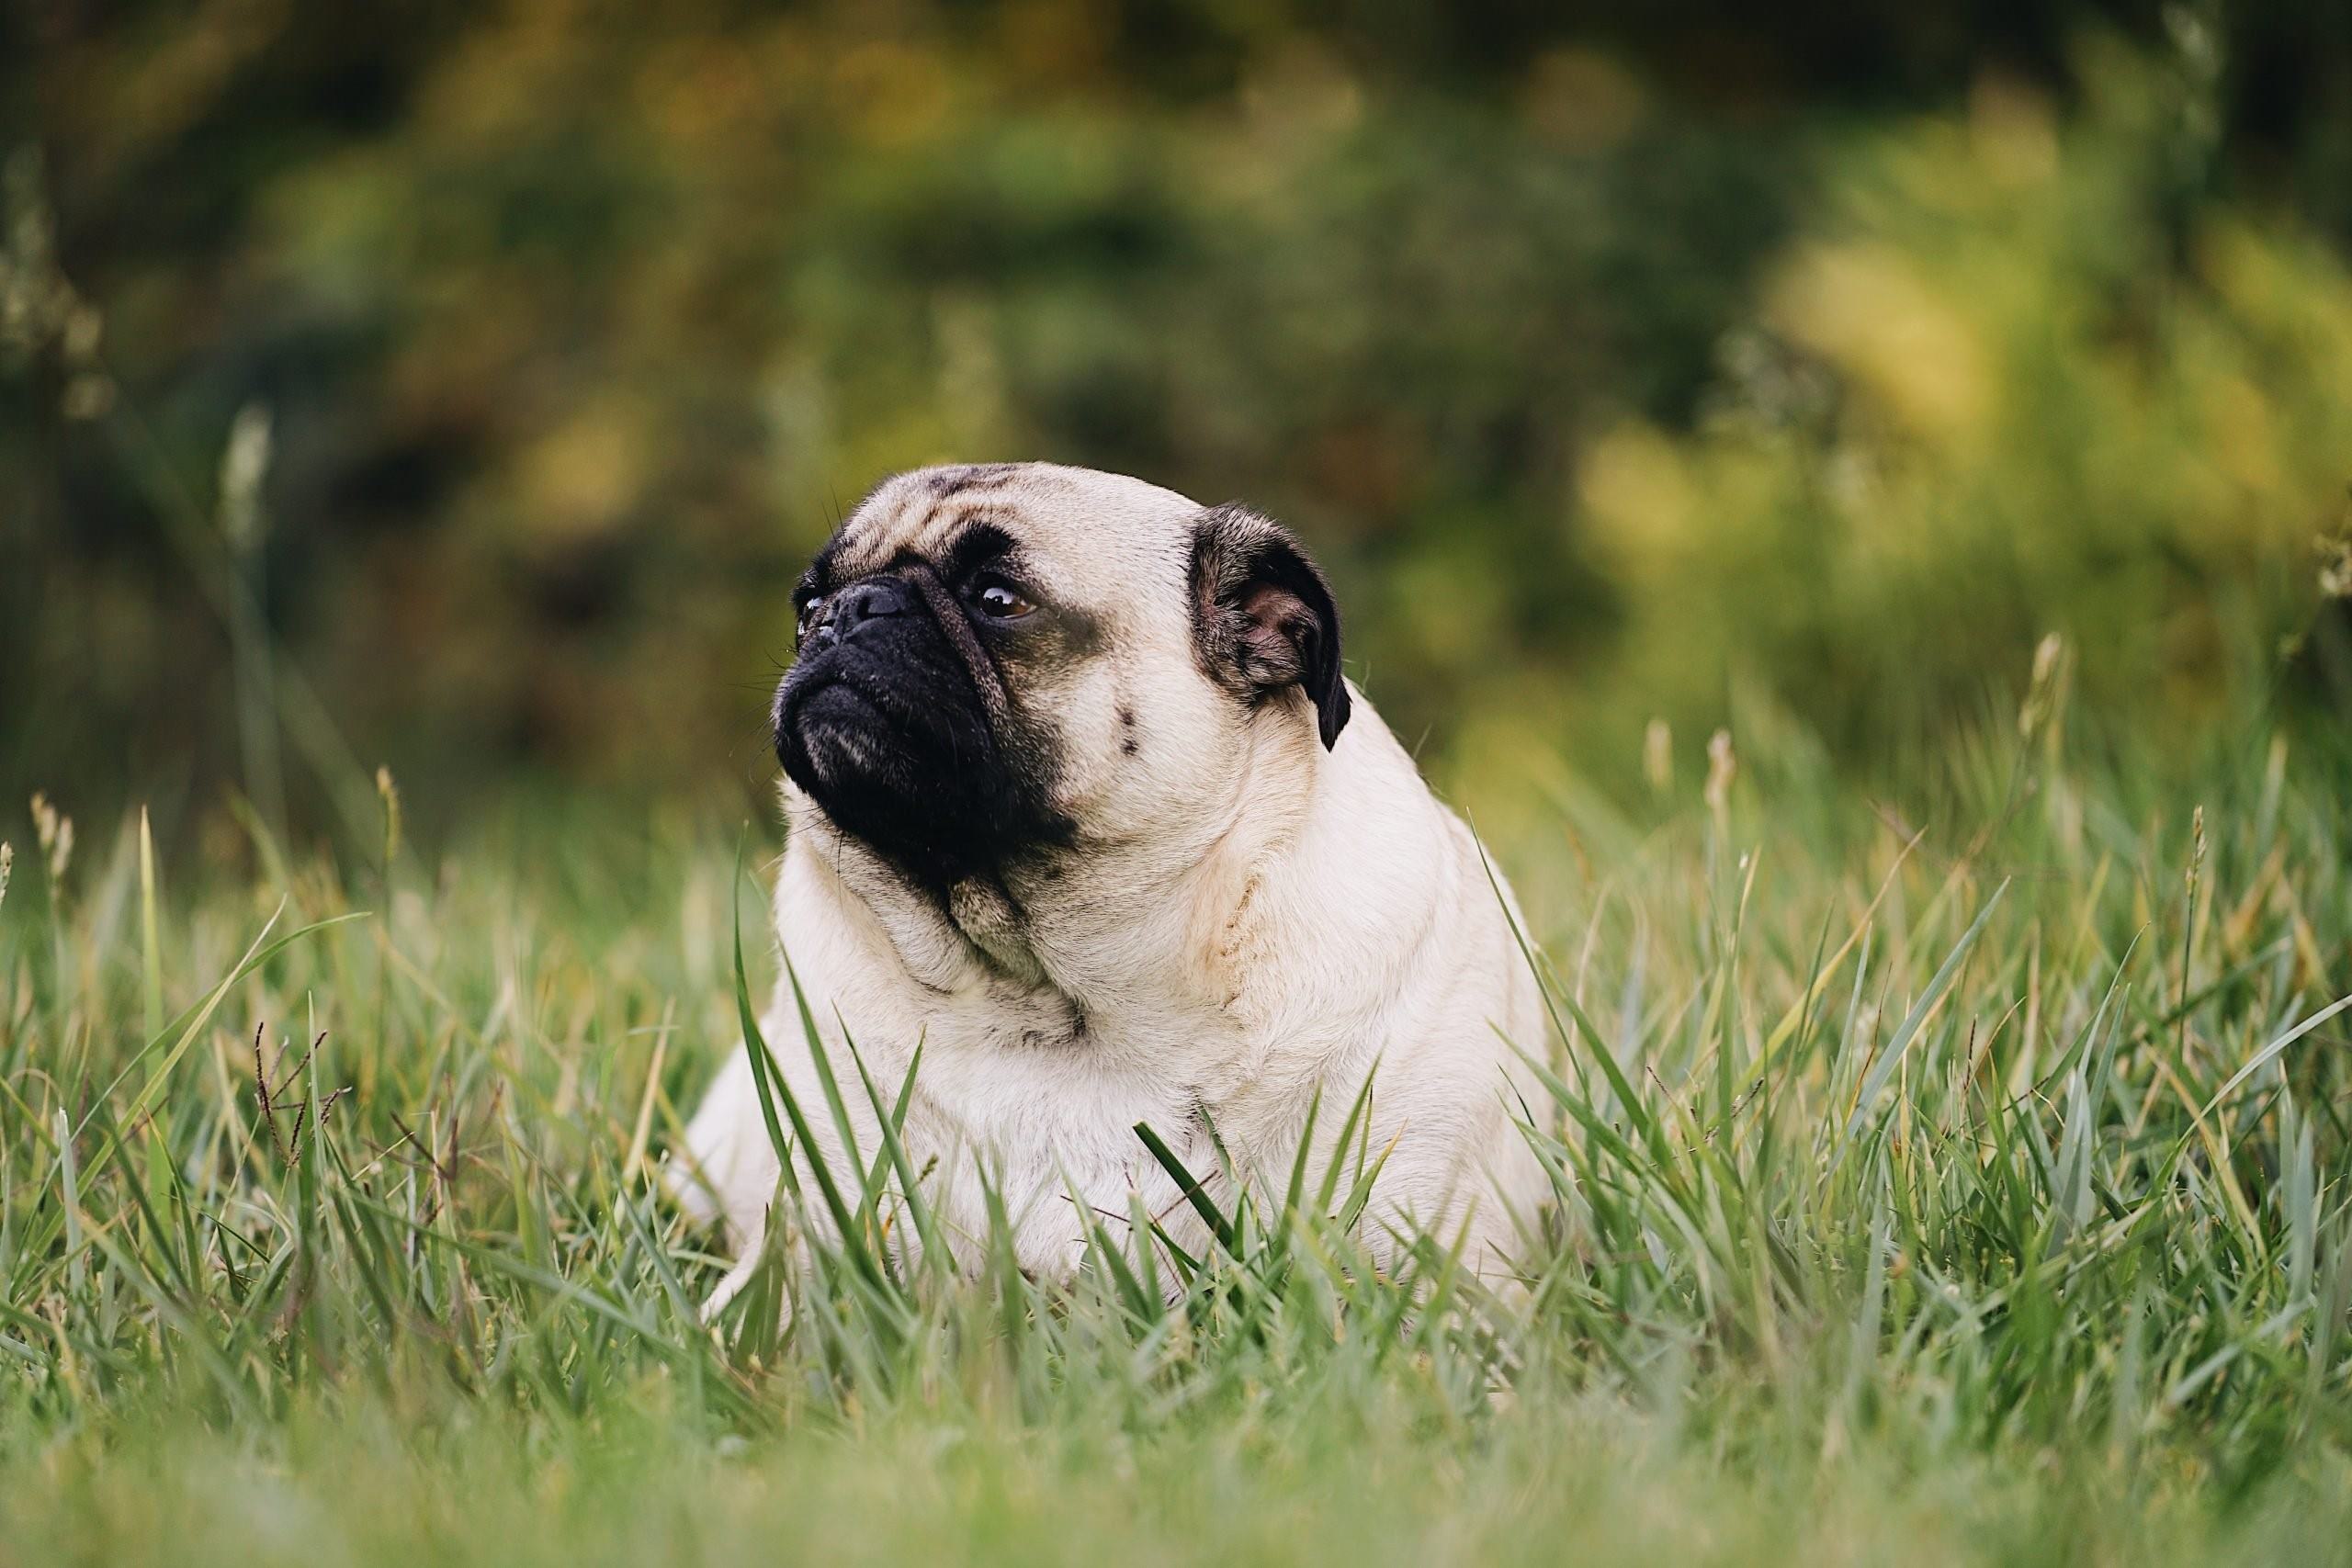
(1956, 1172)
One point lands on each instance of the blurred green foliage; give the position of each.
(1999, 389)
(1819, 363)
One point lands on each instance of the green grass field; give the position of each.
(1953, 1171)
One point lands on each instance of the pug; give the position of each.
(1082, 806)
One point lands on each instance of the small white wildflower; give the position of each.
(82, 328)
(2335, 568)
(7, 860)
(88, 396)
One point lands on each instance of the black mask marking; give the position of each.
(895, 720)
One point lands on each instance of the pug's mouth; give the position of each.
(835, 725)
(841, 689)
(888, 734)
(856, 704)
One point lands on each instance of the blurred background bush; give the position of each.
(460, 386)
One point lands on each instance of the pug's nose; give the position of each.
(871, 599)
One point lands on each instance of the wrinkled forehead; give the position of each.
(1070, 528)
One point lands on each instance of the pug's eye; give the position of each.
(1001, 601)
(808, 614)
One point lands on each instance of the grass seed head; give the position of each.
(244, 463)
(2042, 690)
(1657, 755)
(389, 794)
(54, 831)
(1722, 766)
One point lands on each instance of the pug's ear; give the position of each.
(1263, 617)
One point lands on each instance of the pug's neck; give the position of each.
(1165, 945)
(984, 913)
(1122, 950)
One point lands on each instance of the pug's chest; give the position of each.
(1058, 1122)
(1025, 1092)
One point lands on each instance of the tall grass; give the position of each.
(1969, 1190)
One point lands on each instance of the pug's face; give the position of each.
(1006, 666)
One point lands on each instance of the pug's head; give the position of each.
(1005, 667)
